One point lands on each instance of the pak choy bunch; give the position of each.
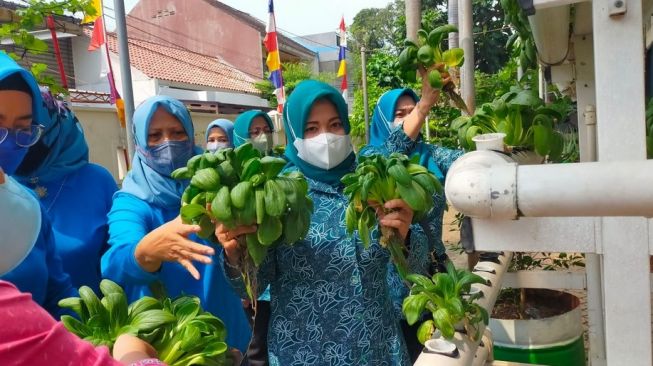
(239, 187)
(178, 329)
(378, 180)
(428, 54)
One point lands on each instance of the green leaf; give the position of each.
(207, 227)
(526, 98)
(413, 307)
(444, 321)
(471, 132)
(75, 304)
(453, 57)
(255, 249)
(152, 319)
(542, 136)
(420, 280)
(143, 304)
(425, 331)
(272, 166)
(270, 230)
(557, 145)
(206, 179)
(75, 326)
(191, 213)
(109, 287)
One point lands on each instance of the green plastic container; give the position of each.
(571, 354)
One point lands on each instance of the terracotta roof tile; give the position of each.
(178, 65)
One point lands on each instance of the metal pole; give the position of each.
(125, 72)
(413, 18)
(365, 101)
(453, 19)
(467, 43)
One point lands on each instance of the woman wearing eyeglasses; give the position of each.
(21, 111)
(72, 191)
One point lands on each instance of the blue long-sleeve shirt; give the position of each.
(42, 274)
(77, 205)
(130, 219)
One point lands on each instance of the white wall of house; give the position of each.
(185, 92)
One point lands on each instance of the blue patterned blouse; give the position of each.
(329, 297)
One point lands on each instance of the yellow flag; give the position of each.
(97, 5)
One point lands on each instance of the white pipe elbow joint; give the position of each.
(483, 184)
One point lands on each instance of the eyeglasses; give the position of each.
(257, 131)
(25, 137)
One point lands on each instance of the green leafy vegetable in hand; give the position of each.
(239, 187)
(378, 180)
(179, 330)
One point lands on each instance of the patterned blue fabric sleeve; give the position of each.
(445, 157)
(399, 142)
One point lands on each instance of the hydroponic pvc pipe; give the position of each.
(485, 184)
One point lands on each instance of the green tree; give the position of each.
(293, 73)
(32, 17)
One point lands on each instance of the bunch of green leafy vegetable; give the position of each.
(179, 330)
(378, 180)
(446, 298)
(239, 187)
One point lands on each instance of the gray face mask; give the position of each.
(262, 142)
(216, 145)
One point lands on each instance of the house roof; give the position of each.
(169, 63)
(260, 26)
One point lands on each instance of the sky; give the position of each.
(296, 17)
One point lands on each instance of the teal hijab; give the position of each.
(143, 181)
(242, 123)
(296, 112)
(382, 126)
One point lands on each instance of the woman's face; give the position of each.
(258, 126)
(165, 127)
(405, 105)
(216, 134)
(15, 110)
(322, 119)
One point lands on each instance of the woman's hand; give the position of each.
(414, 122)
(129, 349)
(228, 238)
(400, 218)
(169, 243)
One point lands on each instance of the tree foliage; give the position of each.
(32, 17)
(293, 73)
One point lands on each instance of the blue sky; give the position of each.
(297, 17)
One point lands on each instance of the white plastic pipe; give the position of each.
(550, 29)
(485, 184)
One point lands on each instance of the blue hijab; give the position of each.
(382, 126)
(296, 111)
(62, 148)
(225, 125)
(143, 181)
(242, 123)
(9, 67)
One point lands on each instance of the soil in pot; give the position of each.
(537, 304)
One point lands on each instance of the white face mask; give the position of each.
(214, 146)
(325, 151)
(20, 222)
(262, 142)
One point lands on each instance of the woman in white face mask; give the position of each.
(329, 295)
(219, 135)
(254, 126)
(29, 335)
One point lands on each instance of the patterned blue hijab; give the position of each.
(296, 111)
(382, 126)
(62, 148)
(242, 123)
(225, 125)
(143, 181)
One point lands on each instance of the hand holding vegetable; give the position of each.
(129, 349)
(399, 217)
(228, 238)
(170, 243)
